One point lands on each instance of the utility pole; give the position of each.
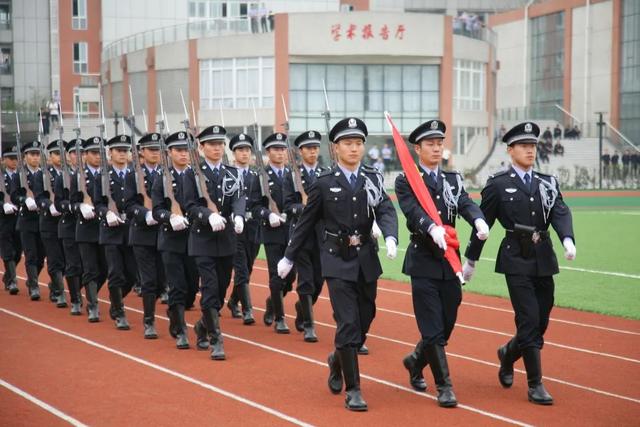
(601, 124)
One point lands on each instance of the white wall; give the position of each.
(510, 55)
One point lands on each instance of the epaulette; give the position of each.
(327, 172)
(370, 169)
(497, 174)
(545, 174)
(454, 172)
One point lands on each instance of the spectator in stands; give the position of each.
(606, 160)
(387, 156)
(379, 164)
(54, 111)
(446, 154)
(45, 120)
(557, 132)
(558, 149)
(615, 171)
(543, 152)
(374, 154)
(576, 131)
(626, 161)
(635, 164)
(547, 135)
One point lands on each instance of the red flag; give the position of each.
(424, 198)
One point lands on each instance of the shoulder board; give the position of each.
(327, 172)
(370, 169)
(545, 174)
(498, 174)
(452, 172)
(231, 167)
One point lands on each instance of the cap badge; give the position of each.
(123, 138)
(241, 137)
(312, 134)
(279, 136)
(154, 136)
(352, 123)
(434, 125)
(181, 135)
(96, 140)
(528, 128)
(216, 129)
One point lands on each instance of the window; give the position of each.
(236, 82)
(78, 105)
(409, 92)
(79, 19)
(465, 137)
(469, 82)
(6, 98)
(5, 15)
(80, 58)
(5, 59)
(630, 70)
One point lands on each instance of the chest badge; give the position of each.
(510, 190)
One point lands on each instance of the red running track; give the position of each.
(100, 376)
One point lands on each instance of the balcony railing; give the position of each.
(89, 80)
(190, 30)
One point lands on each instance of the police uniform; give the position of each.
(213, 251)
(525, 256)
(275, 239)
(248, 242)
(10, 244)
(67, 234)
(49, 229)
(28, 225)
(180, 269)
(435, 289)
(121, 266)
(350, 265)
(308, 262)
(143, 237)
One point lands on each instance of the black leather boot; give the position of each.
(278, 312)
(32, 282)
(437, 358)
(58, 283)
(335, 373)
(245, 301)
(73, 283)
(10, 277)
(508, 354)
(351, 372)
(117, 309)
(149, 316)
(91, 290)
(232, 303)
(202, 336)
(306, 302)
(415, 362)
(299, 321)
(211, 321)
(268, 312)
(363, 350)
(182, 340)
(533, 364)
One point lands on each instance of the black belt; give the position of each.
(535, 235)
(345, 240)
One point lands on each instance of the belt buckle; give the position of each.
(535, 237)
(354, 240)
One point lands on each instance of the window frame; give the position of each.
(79, 22)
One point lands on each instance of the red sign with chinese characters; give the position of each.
(366, 32)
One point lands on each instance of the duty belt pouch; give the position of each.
(524, 234)
(343, 245)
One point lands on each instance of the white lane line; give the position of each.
(586, 270)
(585, 325)
(493, 332)
(162, 369)
(44, 405)
(256, 344)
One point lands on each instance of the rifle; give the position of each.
(327, 121)
(104, 164)
(3, 185)
(81, 177)
(201, 180)
(167, 181)
(66, 177)
(295, 169)
(263, 177)
(22, 173)
(138, 174)
(46, 173)
(225, 159)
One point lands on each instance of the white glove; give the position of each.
(569, 249)
(275, 220)
(113, 220)
(217, 222)
(375, 231)
(468, 268)
(87, 211)
(9, 208)
(392, 247)
(148, 218)
(284, 267)
(178, 222)
(238, 224)
(437, 233)
(482, 228)
(53, 210)
(31, 204)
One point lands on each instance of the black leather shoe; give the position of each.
(234, 309)
(34, 293)
(217, 350)
(446, 397)
(310, 334)
(150, 332)
(13, 288)
(281, 326)
(299, 322)
(247, 317)
(363, 350)
(61, 301)
(505, 373)
(268, 313)
(539, 395)
(201, 336)
(122, 324)
(182, 342)
(335, 374)
(355, 402)
(76, 308)
(93, 314)
(416, 379)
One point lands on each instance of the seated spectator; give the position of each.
(558, 149)
(379, 164)
(577, 132)
(547, 136)
(557, 132)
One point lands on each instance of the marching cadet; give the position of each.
(49, 219)
(436, 291)
(249, 240)
(347, 198)
(87, 233)
(275, 229)
(114, 229)
(308, 261)
(173, 234)
(143, 232)
(216, 211)
(67, 232)
(28, 221)
(526, 203)
(10, 244)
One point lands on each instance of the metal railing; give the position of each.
(484, 33)
(90, 80)
(180, 32)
